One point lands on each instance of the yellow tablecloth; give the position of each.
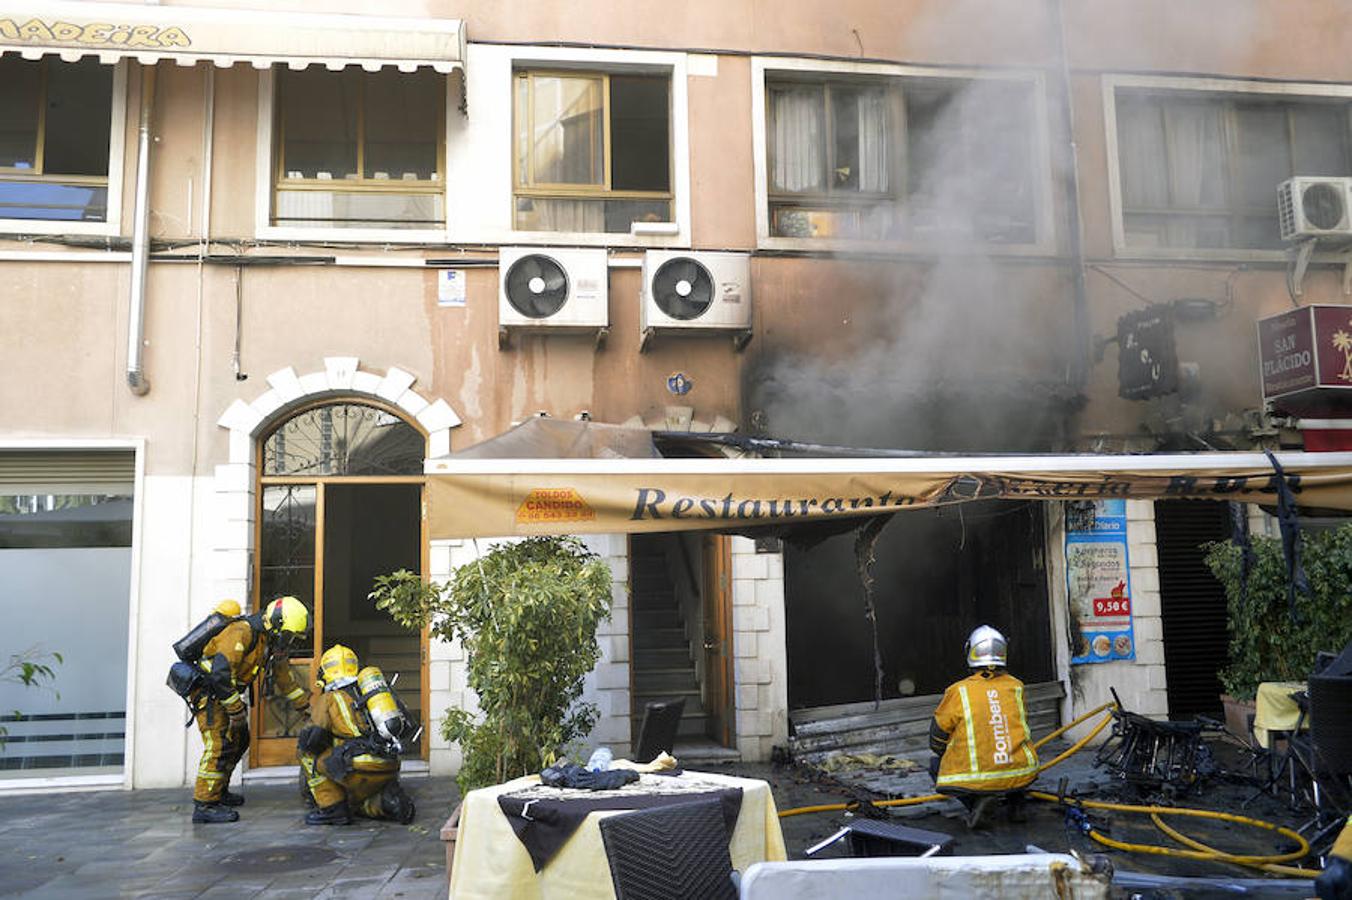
(491, 862)
(1274, 709)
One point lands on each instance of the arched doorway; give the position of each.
(339, 502)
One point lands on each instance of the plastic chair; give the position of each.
(670, 852)
(657, 734)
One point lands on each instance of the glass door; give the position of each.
(340, 502)
(288, 533)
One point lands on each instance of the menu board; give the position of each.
(1098, 582)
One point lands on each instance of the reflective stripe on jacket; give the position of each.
(988, 747)
(246, 653)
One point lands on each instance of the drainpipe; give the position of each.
(140, 241)
(1079, 363)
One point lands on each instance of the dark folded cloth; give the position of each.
(544, 826)
(571, 775)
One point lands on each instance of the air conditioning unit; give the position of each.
(1315, 207)
(691, 293)
(552, 289)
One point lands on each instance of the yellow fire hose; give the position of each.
(1196, 849)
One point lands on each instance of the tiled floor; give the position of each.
(143, 844)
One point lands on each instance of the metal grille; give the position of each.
(1195, 637)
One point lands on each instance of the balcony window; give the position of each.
(55, 133)
(1200, 171)
(593, 151)
(360, 149)
(901, 160)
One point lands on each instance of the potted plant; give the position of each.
(526, 614)
(1268, 642)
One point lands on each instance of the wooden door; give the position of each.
(315, 542)
(716, 594)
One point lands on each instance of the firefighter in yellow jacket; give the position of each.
(349, 757)
(231, 661)
(980, 732)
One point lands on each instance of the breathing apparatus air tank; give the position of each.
(189, 647)
(387, 716)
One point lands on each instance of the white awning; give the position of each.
(189, 35)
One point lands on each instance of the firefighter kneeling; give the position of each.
(980, 733)
(349, 757)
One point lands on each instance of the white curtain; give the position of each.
(873, 143)
(1195, 165)
(799, 144)
(564, 215)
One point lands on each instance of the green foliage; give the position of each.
(1265, 644)
(526, 614)
(33, 668)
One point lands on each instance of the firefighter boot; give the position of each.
(229, 799)
(212, 813)
(337, 814)
(976, 809)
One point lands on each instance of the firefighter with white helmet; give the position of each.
(216, 685)
(349, 757)
(979, 734)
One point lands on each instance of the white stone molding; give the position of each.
(340, 379)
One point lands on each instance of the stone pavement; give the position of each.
(143, 844)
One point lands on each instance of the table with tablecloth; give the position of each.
(1274, 710)
(491, 861)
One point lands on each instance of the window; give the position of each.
(360, 149)
(1200, 170)
(344, 439)
(900, 159)
(66, 555)
(593, 151)
(55, 134)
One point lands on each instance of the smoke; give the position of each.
(956, 351)
(958, 346)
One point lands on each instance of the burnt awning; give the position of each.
(490, 497)
(189, 35)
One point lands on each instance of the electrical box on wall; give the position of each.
(552, 290)
(692, 293)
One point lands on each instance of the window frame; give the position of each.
(481, 146)
(767, 70)
(134, 625)
(1222, 89)
(112, 224)
(269, 178)
(602, 191)
(896, 168)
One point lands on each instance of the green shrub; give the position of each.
(526, 615)
(1265, 643)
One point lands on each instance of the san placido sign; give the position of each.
(1306, 355)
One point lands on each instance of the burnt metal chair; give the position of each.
(657, 734)
(670, 852)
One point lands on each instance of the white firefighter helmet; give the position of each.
(986, 648)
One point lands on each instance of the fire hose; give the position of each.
(1196, 850)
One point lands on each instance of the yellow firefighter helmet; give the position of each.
(286, 615)
(338, 667)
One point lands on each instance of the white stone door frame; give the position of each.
(235, 481)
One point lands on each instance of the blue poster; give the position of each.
(1098, 582)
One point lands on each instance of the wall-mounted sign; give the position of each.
(1306, 358)
(1147, 359)
(451, 287)
(679, 384)
(1098, 582)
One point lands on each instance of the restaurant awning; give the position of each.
(478, 497)
(188, 35)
